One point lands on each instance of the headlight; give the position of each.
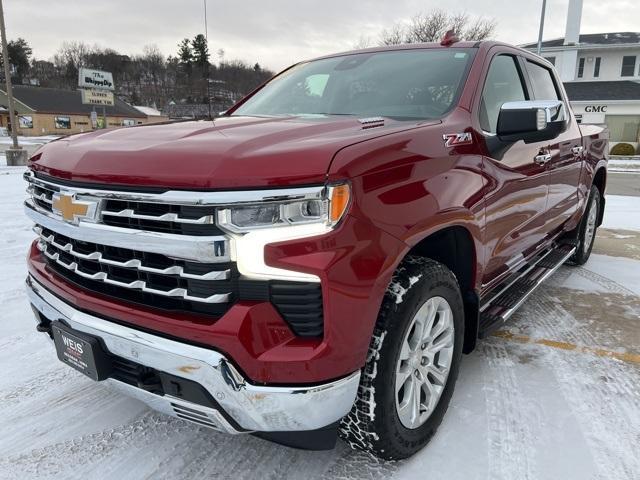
(325, 206)
(287, 215)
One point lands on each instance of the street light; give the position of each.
(15, 156)
(544, 6)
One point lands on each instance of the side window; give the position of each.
(544, 87)
(503, 84)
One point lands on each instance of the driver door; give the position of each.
(517, 184)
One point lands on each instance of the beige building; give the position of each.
(52, 111)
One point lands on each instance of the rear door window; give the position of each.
(542, 82)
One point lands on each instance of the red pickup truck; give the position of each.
(316, 260)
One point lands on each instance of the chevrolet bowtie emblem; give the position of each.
(69, 208)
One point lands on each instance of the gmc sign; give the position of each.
(595, 108)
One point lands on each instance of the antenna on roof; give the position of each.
(449, 38)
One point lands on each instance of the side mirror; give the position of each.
(531, 120)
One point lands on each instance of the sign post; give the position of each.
(97, 88)
(16, 155)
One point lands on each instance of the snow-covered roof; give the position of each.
(148, 111)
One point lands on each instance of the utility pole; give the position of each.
(15, 156)
(206, 37)
(544, 7)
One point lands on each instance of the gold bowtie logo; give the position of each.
(70, 208)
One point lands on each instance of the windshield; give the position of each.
(402, 84)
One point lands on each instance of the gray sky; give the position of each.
(277, 33)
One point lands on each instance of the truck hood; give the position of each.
(230, 152)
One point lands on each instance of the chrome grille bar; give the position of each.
(214, 249)
(167, 217)
(195, 198)
(42, 196)
(137, 284)
(133, 263)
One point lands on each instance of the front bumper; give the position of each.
(243, 407)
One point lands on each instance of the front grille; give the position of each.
(203, 281)
(162, 282)
(42, 196)
(161, 217)
(142, 277)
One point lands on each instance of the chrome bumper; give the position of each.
(251, 407)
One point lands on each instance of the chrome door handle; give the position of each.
(542, 158)
(577, 150)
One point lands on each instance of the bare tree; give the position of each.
(363, 42)
(431, 27)
(394, 35)
(480, 29)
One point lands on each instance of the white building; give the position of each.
(601, 73)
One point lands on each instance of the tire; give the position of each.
(587, 228)
(375, 423)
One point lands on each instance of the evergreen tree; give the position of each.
(200, 51)
(185, 53)
(19, 57)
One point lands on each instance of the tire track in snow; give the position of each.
(88, 451)
(510, 434)
(601, 393)
(605, 282)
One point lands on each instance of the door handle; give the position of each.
(542, 159)
(577, 150)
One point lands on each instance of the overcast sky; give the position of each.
(277, 33)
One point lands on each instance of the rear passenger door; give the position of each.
(564, 168)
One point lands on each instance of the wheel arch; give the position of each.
(454, 247)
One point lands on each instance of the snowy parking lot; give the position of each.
(555, 394)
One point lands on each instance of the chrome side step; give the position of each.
(500, 306)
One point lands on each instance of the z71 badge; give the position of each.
(455, 139)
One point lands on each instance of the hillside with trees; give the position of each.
(148, 78)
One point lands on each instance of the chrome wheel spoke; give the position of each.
(424, 322)
(439, 374)
(405, 351)
(401, 378)
(443, 341)
(415, 402)
(405, 408)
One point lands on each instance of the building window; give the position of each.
(623, 128)
(581, 68)
(628, 66)
(551, 60)
(62, 122)
(596, 67)
(25, 121)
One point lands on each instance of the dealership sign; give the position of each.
(88, 78)
(97, 97)
(596, 109)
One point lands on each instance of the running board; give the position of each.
(501, 305)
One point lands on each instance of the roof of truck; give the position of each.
(414, 46)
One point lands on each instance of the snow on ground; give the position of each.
(543, 400)
(29, 140)
(624, 165)
(622, 212)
